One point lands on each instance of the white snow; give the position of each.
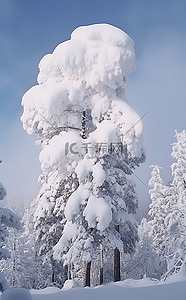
(105, 133)
(145, 289)
(46, 291)
(71, 230)
(69, 284)
(57, 153)
(129, 126)
(3, 282)
(82, 169)
(16, 294)
(131, 290)
(87, 166)
(99, 174)
(123, 126)
(98, 213)
(73, 205)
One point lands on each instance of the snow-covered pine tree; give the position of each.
(179, 167)
(36, 275)
(105, 199)
(171, 227)
(7, 219)
(85, 77)
(10, 267)
(176, 219)
(25, 269)
(145, 262)
(158, 213)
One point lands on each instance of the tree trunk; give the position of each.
(53, 277)
(101, 266)
(101, 276)
(84, 124)
(14, 262)
(87, 274)
(53, 271)
(69, 272)
(117, 275)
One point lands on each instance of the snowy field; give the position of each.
(146, 289)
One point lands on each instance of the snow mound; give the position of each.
(3, 282)
(69, 284)
(16, 294)
(46, 291)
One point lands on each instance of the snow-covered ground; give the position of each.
(146, 289)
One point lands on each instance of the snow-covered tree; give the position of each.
(7, 219)
(24, 269)
(91, 140)
(179, 167)
(145, 262)
(37, 275)
(176, 219)
(158, 213)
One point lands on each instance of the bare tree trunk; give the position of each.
(117, 275)
(101, 266)
(66, 273)
(101, 276)
(87, 274)
(69, 272)
(53, 270)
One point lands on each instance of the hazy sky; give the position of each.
(31, 29)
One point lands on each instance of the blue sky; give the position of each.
(31, 29)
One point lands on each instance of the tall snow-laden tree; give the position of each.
(91, 141)
(176, 219)
(158, 213)
(7, 219)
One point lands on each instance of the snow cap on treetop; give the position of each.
(96, 53)
(102, 32)
(87, 72)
